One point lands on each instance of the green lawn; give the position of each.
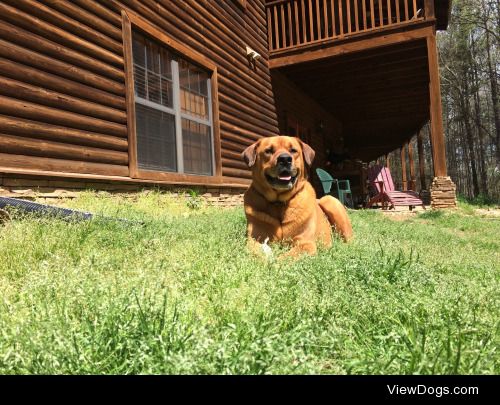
(180, 294)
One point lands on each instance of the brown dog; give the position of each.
(281, 204)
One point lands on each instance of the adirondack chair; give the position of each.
(344, 193)
(380, 180)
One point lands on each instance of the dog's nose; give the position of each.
(285, 159)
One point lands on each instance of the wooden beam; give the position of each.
(403, 167)
(412, 167)
(421, 160)
(436, 127)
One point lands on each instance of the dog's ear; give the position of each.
(250, 154)
(308, 153)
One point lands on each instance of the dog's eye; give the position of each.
(269, 151)
(293, 150)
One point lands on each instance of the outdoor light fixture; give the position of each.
(252, 54)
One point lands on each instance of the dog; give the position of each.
(281, 205)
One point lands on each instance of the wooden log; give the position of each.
(87, 18)
(22, 55)
(35, 42)
(54, 82)
(35, 163)
(236, 147)
(23, 127)
(24, 109)
(105, 11)
(233, 163)
(57, 35)
(69, 24)
(23, 91)
(227, 171)
(38, 147)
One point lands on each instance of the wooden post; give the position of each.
(436, 124)
(421, 160)
(443, 190)
(412, 167)
(387, 162)
(429, 9)
(403, 167)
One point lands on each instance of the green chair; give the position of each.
(344, 193)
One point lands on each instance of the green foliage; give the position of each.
(194, 201)
(181, 294)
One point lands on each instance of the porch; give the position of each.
(372, 65)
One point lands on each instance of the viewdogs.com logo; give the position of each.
(433, 391)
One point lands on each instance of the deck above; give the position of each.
(304, 30)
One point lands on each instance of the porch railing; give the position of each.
(294, 23)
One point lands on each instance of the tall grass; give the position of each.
(181, 294)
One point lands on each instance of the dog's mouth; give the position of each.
(284, 180)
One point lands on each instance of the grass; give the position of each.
(181, 294)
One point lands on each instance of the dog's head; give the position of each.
(278, 163)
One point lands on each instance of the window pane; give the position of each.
(197, 147)
(152, 71)
(155, 139)
(194, 90)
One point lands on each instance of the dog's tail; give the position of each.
(337, 216)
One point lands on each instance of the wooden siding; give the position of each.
(62, 79)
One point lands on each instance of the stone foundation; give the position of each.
(443, 193)
(30, 188)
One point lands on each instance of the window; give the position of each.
(173, 111)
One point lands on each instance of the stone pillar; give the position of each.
(443, 193)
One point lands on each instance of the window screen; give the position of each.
(173, 111)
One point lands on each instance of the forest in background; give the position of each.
(469, 64)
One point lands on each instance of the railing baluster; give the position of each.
(283, 27)
(318, 20)
(297, 31)
(407, 16)
(389, 12)
(348, 6)
(325, 18)
(334, 25)
(341, 18)
(290, 31)
(269, 29)
(398, 16)
(380, 13)
(356, 14)
(276, 28)
(414, 8)
(304, 24)
(311, 21)
(363, 6)
(372, 13)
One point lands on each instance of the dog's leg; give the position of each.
(337, 216)
(300, 248)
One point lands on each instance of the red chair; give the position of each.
(380, 180)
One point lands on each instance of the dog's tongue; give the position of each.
(285, 178)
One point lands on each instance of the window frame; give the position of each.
(130, 22)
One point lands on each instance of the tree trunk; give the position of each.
(494, 99)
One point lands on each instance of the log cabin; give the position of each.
(125, 94)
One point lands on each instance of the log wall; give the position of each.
(62, 79)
